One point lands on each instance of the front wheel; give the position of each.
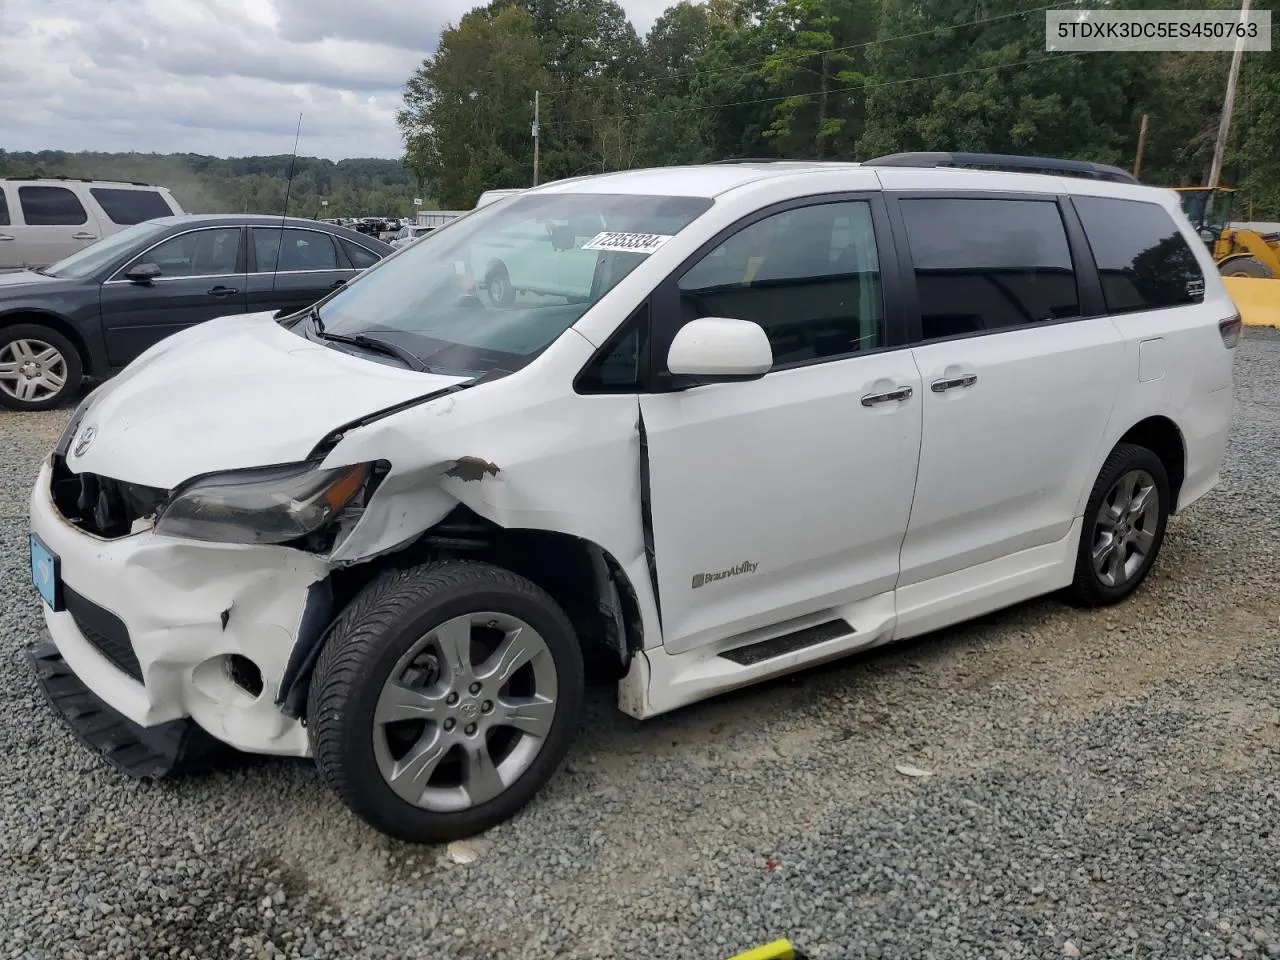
(498, 283)
(39, 367)
(1124, 523)
(445, 697)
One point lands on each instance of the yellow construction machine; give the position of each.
(1238, 252)
(1248, 260)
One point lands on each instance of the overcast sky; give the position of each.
(221, 77)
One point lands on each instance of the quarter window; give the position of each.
(360, 257)
(621, 367)
(810, 277)
(204, 253)
(298, 250)
(1143, 259)
(989, 264)
(51, 207)
(4, 209)
(127, 207)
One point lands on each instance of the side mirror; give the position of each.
(562, 237)
(143, 273)
(720, 350)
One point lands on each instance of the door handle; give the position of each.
(893, 396)
(337, 283)
(5, 236)
(84, 236)
(941, 386)
(221, 291)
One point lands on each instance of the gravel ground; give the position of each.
(1104, 784)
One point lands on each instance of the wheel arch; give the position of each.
(54, 322)
(581, 576)
(1162, 437)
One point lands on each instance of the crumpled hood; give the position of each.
(232, 393)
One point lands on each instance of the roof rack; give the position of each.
(998, 161)
(132, 183)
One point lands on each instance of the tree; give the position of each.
(951, 83)
(467, 114)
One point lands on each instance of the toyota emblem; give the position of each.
(86, 438)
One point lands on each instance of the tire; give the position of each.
(1139, 529)
(28, 349)
(1246, 267)
(498, 282)
(378, 714)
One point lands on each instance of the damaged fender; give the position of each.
(524, 452)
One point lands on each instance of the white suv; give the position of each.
(805, 409)
(44, 221)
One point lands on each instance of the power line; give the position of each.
(816, 53)
(818, 93)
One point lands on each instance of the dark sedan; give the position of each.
(92, 313)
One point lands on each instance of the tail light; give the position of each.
(1230, 329)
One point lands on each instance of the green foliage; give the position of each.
(841, 79)
(364, 187)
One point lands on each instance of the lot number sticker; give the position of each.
(644, 243)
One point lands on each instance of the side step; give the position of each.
(145, 753)
(789, 642)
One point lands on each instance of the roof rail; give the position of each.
(717, 163)
(999, 161)
(63, 176)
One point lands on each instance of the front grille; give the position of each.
(101, 505)
(104, 630)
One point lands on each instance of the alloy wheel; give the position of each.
(1124, 530)
(465, 712)
(32, 370)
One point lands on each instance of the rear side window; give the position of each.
(51, 207)
(989, 264)
(4, 209)
(360, 257)
(296, 250)
(127, 207)
(1143, 259)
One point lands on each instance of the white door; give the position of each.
(55, 224)
(784, 496)
(1017, 394)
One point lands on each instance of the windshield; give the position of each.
(91, 259)
(501, 284)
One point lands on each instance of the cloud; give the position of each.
(221, 77)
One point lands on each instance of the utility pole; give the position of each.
(1142, 146)
(538, 96)
(1228, 102)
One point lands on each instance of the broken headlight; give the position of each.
(268, 505)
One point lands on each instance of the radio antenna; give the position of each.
(288, 189)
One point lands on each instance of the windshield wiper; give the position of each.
(377, 344)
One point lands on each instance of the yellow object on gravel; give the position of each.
(778, 950)
(1258, 300)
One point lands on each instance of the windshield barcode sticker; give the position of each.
(626, 242)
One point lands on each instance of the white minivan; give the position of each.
(44, 221)
(800, 410)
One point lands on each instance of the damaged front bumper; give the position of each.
(161, 629)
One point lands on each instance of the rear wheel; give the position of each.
(1124, 525)
(39, 367)
(444, 698)
(1246, 267)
